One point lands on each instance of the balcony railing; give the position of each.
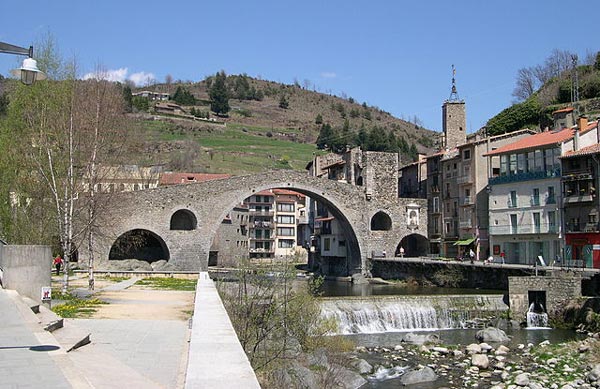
(582, 227)
(466, 224)
(254, 212)
(535, 201)
(527, 176)
(262, 224)
(578, 199)
(466, 179)
(543, 228)
(261, 250)
(467, 200)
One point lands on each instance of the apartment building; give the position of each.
(274, 219)
(580, 180)
(525, 198)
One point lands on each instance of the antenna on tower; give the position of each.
(574, 84)
(454, 93)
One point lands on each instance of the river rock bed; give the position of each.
(487, 365)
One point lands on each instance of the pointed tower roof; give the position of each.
(454, 93)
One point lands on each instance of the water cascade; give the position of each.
(408, 313)
(537, 318)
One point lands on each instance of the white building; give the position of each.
(525, 196)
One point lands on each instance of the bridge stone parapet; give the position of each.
(208, 203)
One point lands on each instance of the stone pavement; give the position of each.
(157, 349)
(148, 354)
(24, 363)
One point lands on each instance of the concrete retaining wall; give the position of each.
(26, 269)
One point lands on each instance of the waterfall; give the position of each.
(537, 319)
(414, 313)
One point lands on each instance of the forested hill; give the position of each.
(544, 88)
(298, 113)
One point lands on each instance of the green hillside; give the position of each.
(258, 134)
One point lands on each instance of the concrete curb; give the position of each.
(216, 357)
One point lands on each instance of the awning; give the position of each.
(464, 242)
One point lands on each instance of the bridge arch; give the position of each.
(381, 221)
(152, 209)
(414, 245)
(139, 244)
(354, 254)
(183, 219)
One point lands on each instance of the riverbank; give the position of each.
(573, 364)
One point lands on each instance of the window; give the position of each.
(467, 154)
(285, 231)
(536, 222)
(436, 204)
(521, 164)
(535, 197)
(326, 244)
(552, 222)
(258, 234)
(550, 199)
(512, 200)
(513, 164)
(285, 207)
(513, 224)
(286, 219)
(285, 243)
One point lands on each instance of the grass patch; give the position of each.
(75, 306)
(169, 283)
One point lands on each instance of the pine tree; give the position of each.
(219, 96)
(283, 102)
(325, 137)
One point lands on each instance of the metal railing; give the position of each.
(526, 176)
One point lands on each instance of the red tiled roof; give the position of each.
(287, 192)
(324, 219)
(188, 178)
(593, 149)
(545, 138)
(568, 109)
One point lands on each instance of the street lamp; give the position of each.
(29, 71)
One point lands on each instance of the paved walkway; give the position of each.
(24, 363)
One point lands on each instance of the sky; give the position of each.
(392, 54)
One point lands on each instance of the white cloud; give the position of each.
(328, 75)
(120, 75)
(142, 78)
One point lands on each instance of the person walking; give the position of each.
(58, 261)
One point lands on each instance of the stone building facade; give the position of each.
(552, 292)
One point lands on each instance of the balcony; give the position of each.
(467, 200)
(254, 212)
(261, 250)
(466, 179)
(262, 238)
(262, 224)
(543, 228)
(585, 198)
(435, 189)
(582, 227)
(527, 176)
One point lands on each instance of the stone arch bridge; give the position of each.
(206, 204)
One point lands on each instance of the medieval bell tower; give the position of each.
(454, 118)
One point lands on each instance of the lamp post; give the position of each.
(29, 71)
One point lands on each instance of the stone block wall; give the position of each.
(559, 288)
(381, 175)
(26, 269)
